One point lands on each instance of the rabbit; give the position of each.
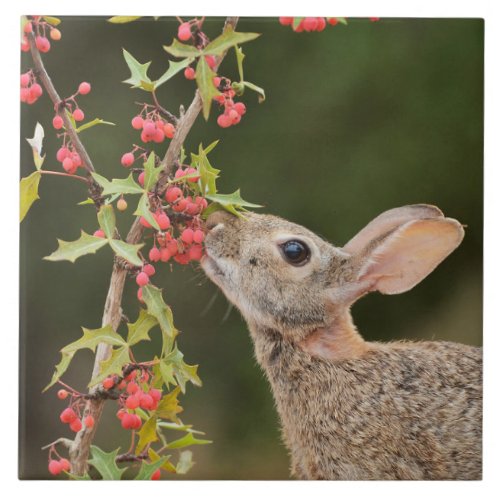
(352, 409)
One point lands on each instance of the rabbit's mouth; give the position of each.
(211, 268)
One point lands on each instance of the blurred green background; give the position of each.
(358, 119)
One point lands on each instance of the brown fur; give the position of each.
(351, 409)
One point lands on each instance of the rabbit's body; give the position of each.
(352, 409)
(407, 399)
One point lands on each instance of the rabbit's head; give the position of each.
(284, 277)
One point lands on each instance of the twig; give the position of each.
(62, 174)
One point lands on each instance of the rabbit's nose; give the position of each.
(217, 218)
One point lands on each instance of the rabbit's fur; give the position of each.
(352, 409)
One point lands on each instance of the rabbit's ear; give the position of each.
(388, 221)
(404, 257)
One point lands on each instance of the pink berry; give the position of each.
(67, 416)
(189, 73)
(137, 122)
(100, 234)
(187, 236)
(57, 122)
(224, 121)
(141, 177)
(184, 32)
(132, 387)
(66, 466)
(240, 108)
(139, 295)
(127, 159)
(89, 421)
(55, 467)
(62, 153)
(137, 422)
(172, 194)
(147, 402)
(333, 21)
(84, 88)
(164, 255)
(25, 46)
(78, 115)
(144, 223)
(211, 61)
(128, 421)
(25, 79)
(142, 279)
(286, 21)
(156, 475)
(76, 425)
(191, 171)
(169, 130)
(321, 24)
(195, 252)
(154, 254)
(28, 28)
(68, 165)
(159, 136)
(121, 413)
(149, 269)
(62, 394)
(149, 128)
(42, 43)
(108, 382)
(155, 394)
(132, 402)
(310, 23)
(36, 90)
(198, 236)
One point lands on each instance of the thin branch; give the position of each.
(80, 447)
(62, 174)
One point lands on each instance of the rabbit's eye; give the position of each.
(295, 252)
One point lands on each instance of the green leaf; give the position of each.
(147, 469)
(113, 365)
(92, 338)
(167, 373)
(60, 369)
(54, 21)
(296, 22)
(123, 19)
(208, 174)
(182, 371)
(138, 77)
(147, 434)
(156, 306)
(107, 220)
(168, 466)
(95, 121)
(143, 209)
(239, 60)
(36, 143)
(28, 192)
(85, 476)
(71, 250)
(187, 440)
(229, 38)
(342, 20)
(259, 90)
(127, 251)
(206, 87)
(151, 173)
(178, 49)
(118, 186)
(185, 462)
(105, 463)
(177, 427)
(168, 407)
(88, 201)
(173, 68)
(231, 202)
(139, 330)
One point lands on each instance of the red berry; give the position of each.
(155, 394)
(57, 122)
(198, 236)
(76, 425)
(189, 73)
(172, 247)
(108, 383)
(154, 254)
(128, 421)
(131, 375)
(149, 269)
(55, 34)
(286, 21)
(42, 43)
(147, 402)
(149, 128)
(89, 421)
(137, 422)
(180, 206)
(78, 115)
(36, 90)
(55, 467)
(67, 416)
(224, 121)
(62, 394)
(84, 88)
(321, 24)
(164, 255)
(69, 166)
(25, 46)
(172, 194)
(142, 279)
(127, 159)
(156, 475)
(182, 258)
(310, 23)
(141, 177)
(132, 402)
(191, 171)
(187, 236)
(28, 28)
(217, 80)
(300, 27)
(25, 93)
(62, 153)
(121, 413)
(144, 223)
(169, 130)
(66, 466)
(132, 387)
(374, 19)
(195, 252)
(25, 79)
(159, 136)
(240, 108)
(192, 209)
(184, 32)
(137, 122)
(211, 61)
(139, 295)
(100, 234)
(162, 220)
(333, 21)
(179, 173)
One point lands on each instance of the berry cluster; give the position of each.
(233, 111)
(72, 415)
(153, 127)
(69, 158)
(31, 90)
(57, 466)
(309, 23)
(38, 27)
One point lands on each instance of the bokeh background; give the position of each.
(358, 119)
